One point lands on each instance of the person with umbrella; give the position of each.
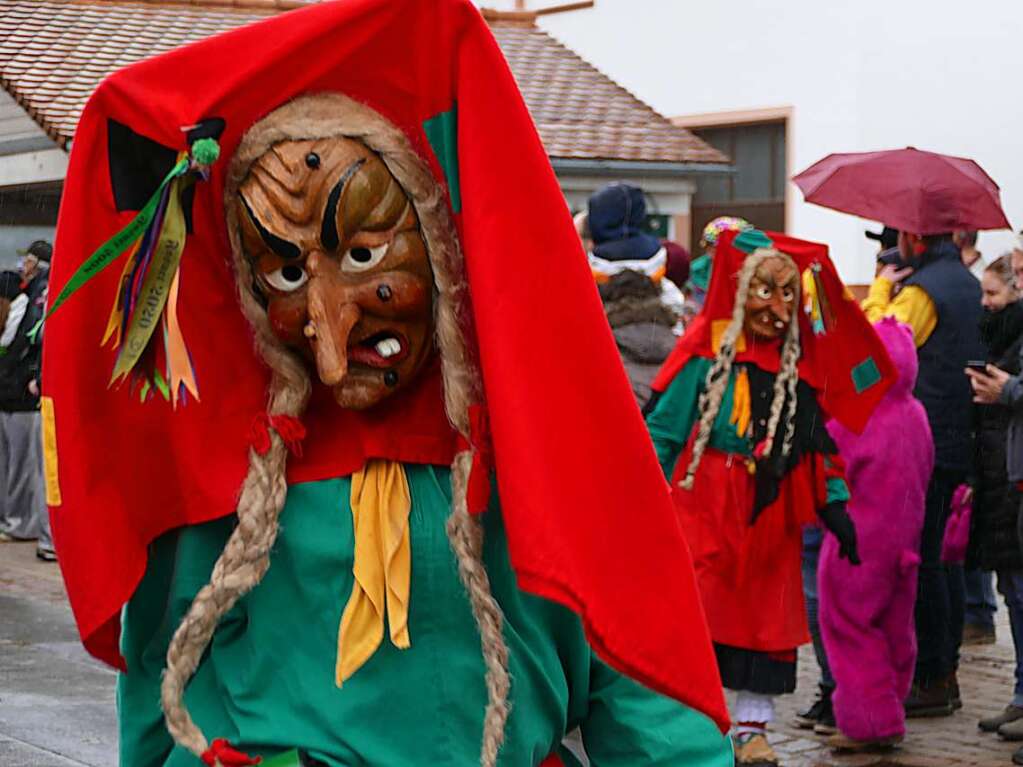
(939, 300)
(926, 197)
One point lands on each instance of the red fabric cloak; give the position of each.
(848, 367)
(570, 449)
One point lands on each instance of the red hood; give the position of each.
(844, 361)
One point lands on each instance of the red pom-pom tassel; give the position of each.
(221, 752)
(477, 495)
(290, 430)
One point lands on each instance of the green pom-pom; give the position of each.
(205, 151)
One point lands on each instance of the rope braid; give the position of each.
(716, 382)
(465, 532)
(785, 386)
(245, 558)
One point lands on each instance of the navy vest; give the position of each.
(942, 386)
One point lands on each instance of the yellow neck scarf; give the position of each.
(741, 411)
(383, 566)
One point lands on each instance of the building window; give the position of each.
(756, 191)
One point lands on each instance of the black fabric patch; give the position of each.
(137, 165)
(209, 127)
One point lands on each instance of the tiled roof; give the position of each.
(53, 54)
(582, 113)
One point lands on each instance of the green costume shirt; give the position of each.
(267, 681)
(673, 418)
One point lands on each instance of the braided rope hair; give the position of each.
(709, 403)
(245, 558)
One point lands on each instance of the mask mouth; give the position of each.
(382, 350)
(769, 323)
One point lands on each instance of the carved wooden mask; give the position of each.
(337, 253)
(771, 301)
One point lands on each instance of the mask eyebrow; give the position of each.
(770, 278)
(289, 251)
(329, 238)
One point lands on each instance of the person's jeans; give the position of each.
(1010, 586)
(980, 599)
(940, 602)
(813, 536)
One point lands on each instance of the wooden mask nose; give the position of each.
(332, 315)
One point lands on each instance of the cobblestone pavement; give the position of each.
(57, 705)
(985, 678)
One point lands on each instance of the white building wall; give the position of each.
(941, 75)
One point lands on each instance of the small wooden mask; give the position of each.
(771, 301)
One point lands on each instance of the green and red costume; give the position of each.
(745, 513)
(603, 619)
(268, 680)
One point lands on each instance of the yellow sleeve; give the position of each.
(912, 306)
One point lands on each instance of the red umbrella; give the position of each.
(907, 189)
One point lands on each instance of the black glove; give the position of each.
(838, 522)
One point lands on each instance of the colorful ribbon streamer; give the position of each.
(120, 242)
(815, 301)
(147, 292)
(159, 271)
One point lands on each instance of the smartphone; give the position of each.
(979, 365)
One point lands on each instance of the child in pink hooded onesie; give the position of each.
(866, 612)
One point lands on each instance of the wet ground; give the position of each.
(57, 704)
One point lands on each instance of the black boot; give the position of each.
(954, 694)
(826, 723)
(932, 699)
(820, 713)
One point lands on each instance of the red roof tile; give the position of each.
(53, 54)
(582, 113)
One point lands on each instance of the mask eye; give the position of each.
(788, 295)
(288, 278)
(360, 259)
(763, 292)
